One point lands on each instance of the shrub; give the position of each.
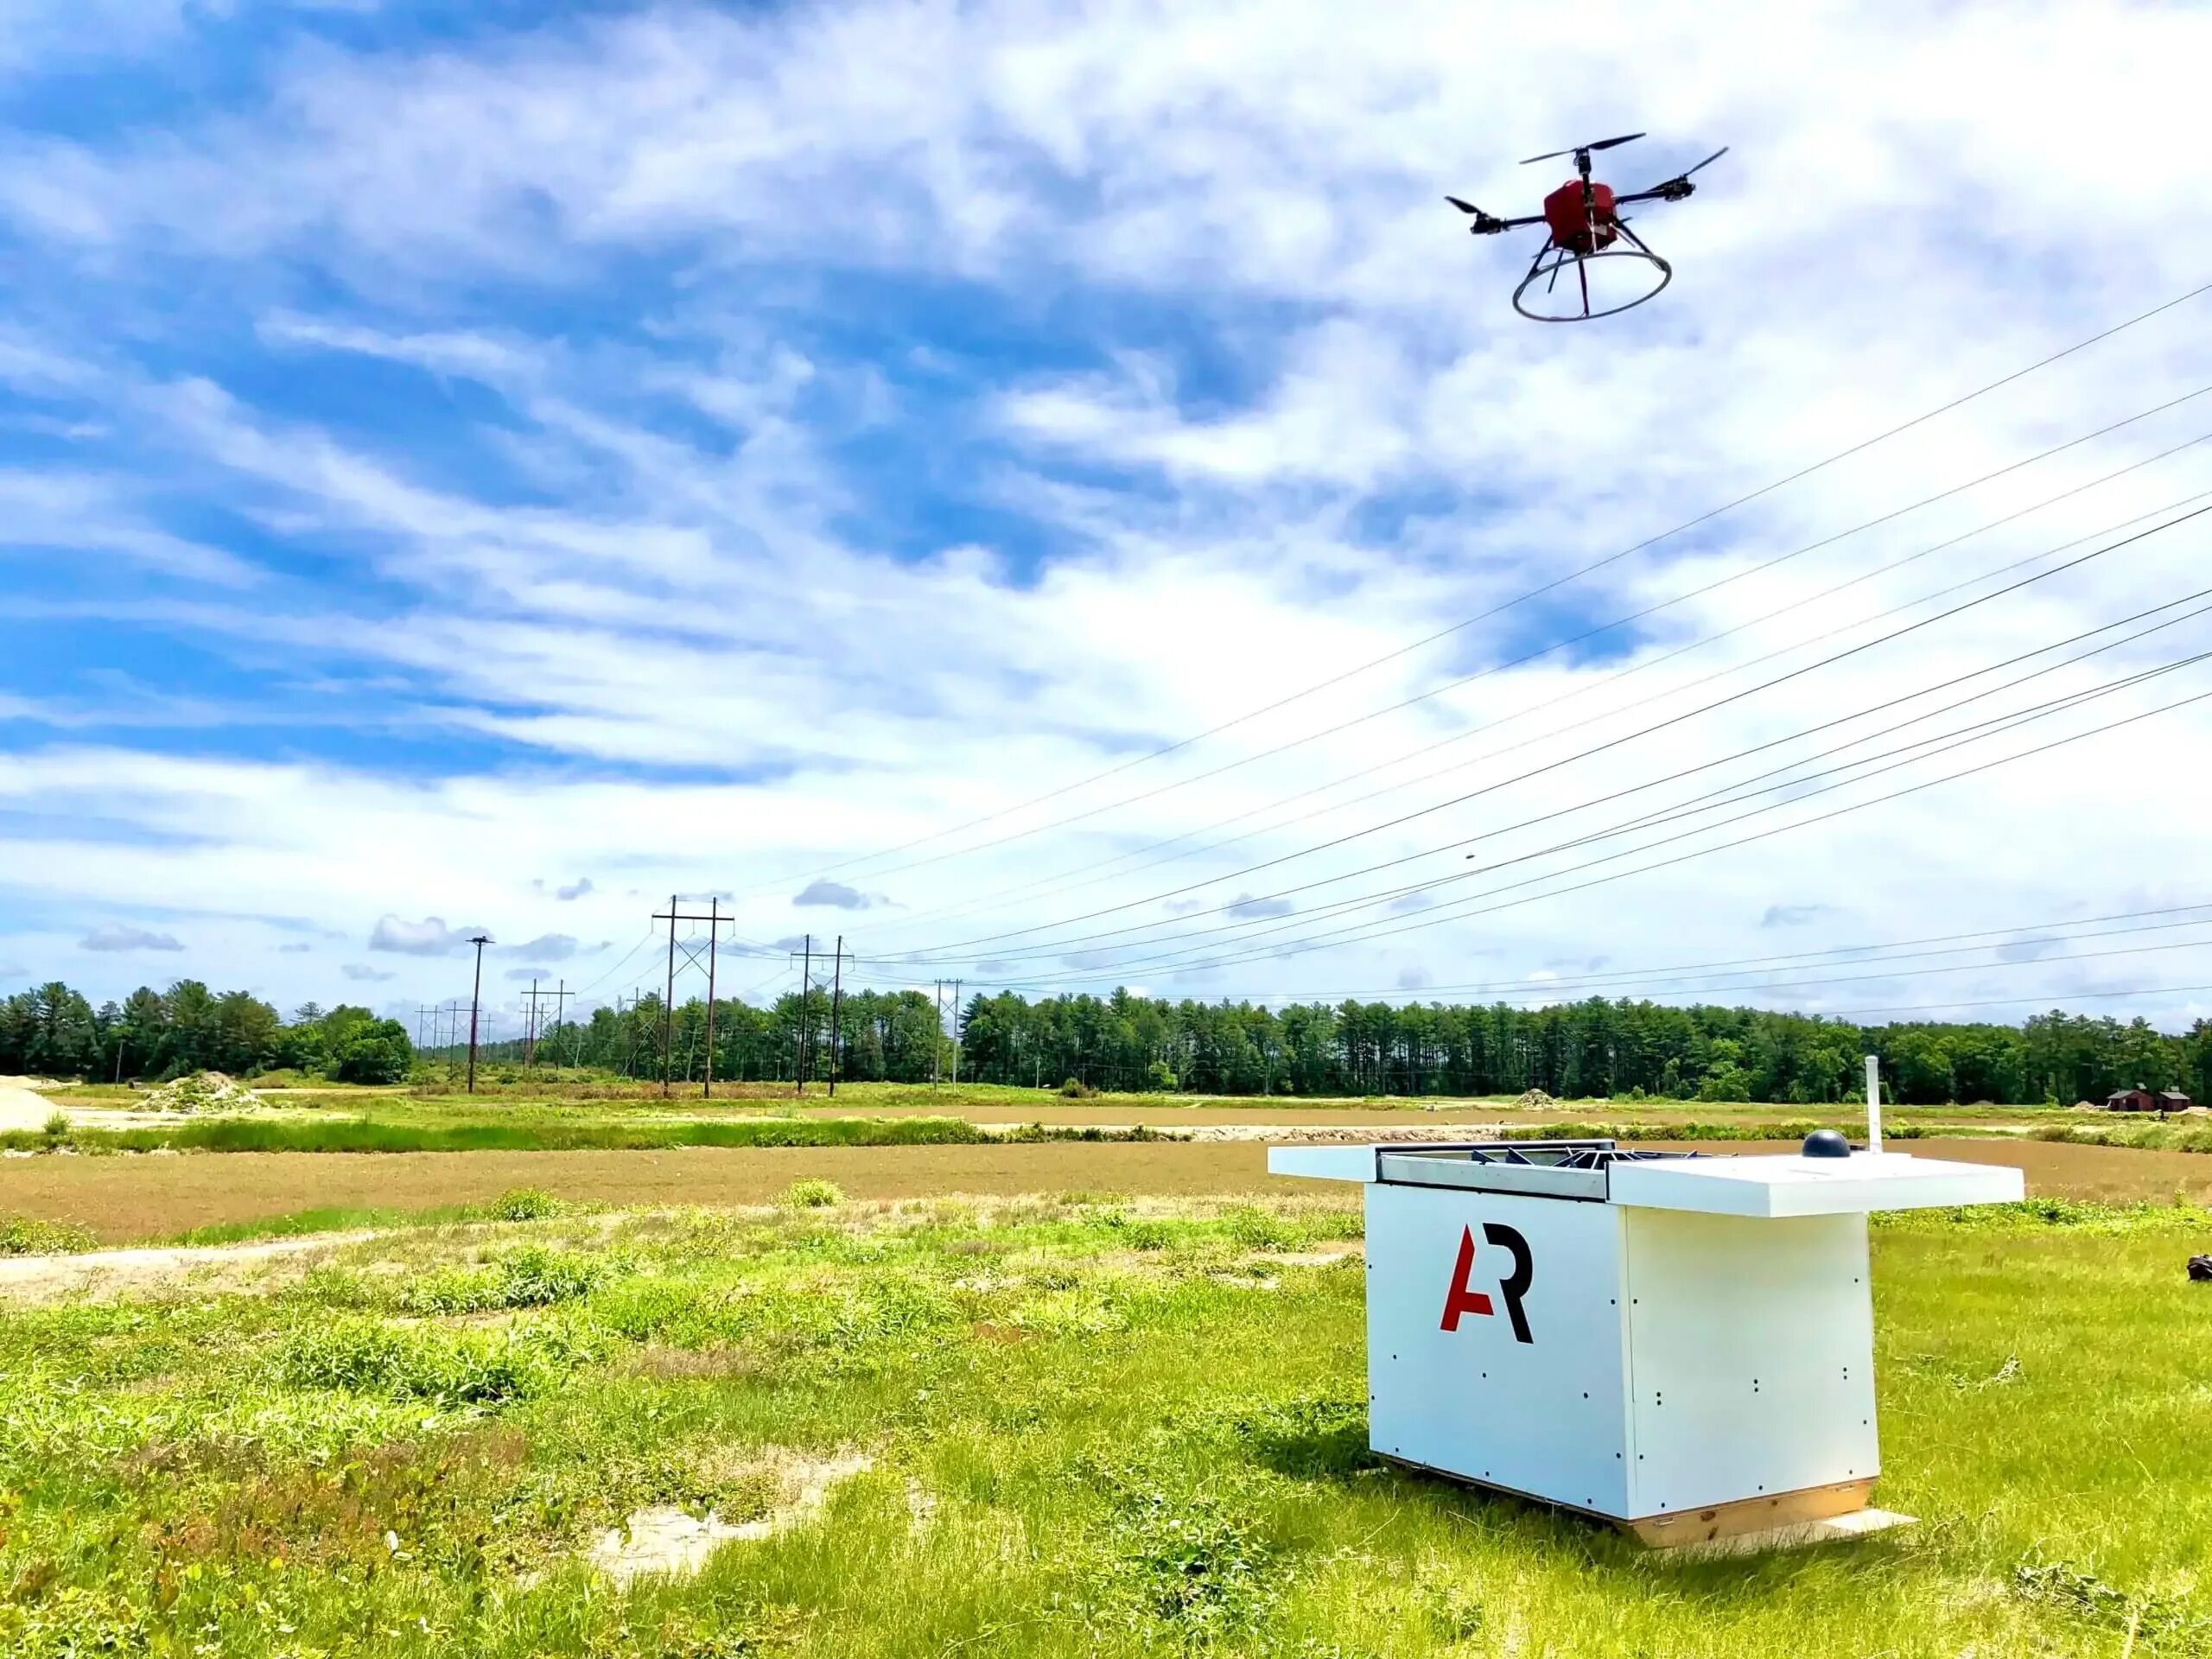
(451, 1368)
(1075, 1089)
(813, 1193)
(57, 1125)
(539, 1278)
(525, 1203)
(28, 1236)
(532, 1277)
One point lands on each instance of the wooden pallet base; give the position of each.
(1777, 1512)
(1813, 1515)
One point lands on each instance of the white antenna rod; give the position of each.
(1873, 1103)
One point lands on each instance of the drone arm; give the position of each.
(1673, 190)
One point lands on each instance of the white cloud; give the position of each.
(1285, 426)
(429, 938)
(118, 937)
(835, 895)
(361, 972)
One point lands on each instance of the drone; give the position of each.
(1585, 221)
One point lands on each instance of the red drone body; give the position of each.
(1584, 221)
(1578, 227)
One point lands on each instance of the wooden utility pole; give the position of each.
(668, 1004)
(939, 1044)
(475, 1001)
(805, 1008)
(956, 1033)
(836, 1002)
(714, 932)
(713, 919)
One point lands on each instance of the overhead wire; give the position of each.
(1297, 947)
(1623, 981)
(942, 952)
(1178, 956)
(1718, 796)
(1535, 593)
(1104, 868)
(1103, 808)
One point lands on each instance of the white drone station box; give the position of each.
(1681, 1343)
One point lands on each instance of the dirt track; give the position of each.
(129, 1198)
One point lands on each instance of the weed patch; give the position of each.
(447, 1368)
(23, 1236)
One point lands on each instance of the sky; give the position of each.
(1053, 498)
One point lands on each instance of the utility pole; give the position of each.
(560, 1008)
(714, 932)
(668, 1006)
(533, 1027)
(956, 1033)
(475, 1001)
(940, 1033)
(713, 920)
(805, 1008)
(837, 1000)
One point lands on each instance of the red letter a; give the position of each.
(1461, 1299)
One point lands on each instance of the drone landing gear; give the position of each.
(1535, 298)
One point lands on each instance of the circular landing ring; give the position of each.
(1540, 288)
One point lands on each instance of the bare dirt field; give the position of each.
(130, 1198)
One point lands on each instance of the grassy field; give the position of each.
(1026, 1426)
(129, 1199)
(553, 1115)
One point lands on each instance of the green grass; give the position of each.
(2184, 1135)
(524, 1203)
(1095, 1429)
(305, 1132)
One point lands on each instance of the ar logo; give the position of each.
(1464, 1298)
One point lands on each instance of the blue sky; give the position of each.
(451, 455)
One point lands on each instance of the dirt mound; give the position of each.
(203, 1091)
(101, 1274)
(1534, 1099)
(665, 1540)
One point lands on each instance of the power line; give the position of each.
(1345, 725)
(1460, 909)
(1521, 598)
(1299, 946)
(1622, 980)
(1717, 798)
(942, 952)
(1105, 866)
(2016, 1002)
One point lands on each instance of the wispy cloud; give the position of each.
(764, 452)
(836, 896)
(361, 972)
(118, 937)
(429, 938)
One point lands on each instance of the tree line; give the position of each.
(1591, 1048)
(52, 1030)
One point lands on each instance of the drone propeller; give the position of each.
(1577, 149)
(1707, 162)
(1466, 206)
